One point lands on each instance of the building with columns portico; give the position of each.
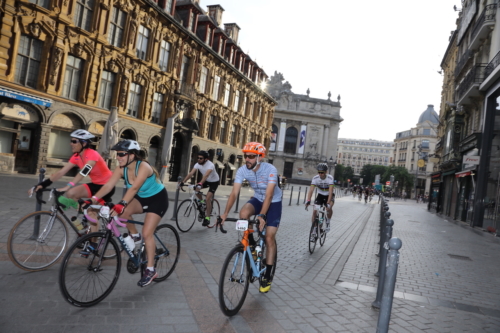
(304, 131)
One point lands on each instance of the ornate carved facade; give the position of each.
(75, 59)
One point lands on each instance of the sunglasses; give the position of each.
(201, 158)
(74, 142)
(121, 154)
(321, 172)
(250, 157)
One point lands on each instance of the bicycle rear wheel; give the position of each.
(233, 282)
(34, 250)
(85, 280)
(215, 213)
(168, 248)
(186, 215)
(313, 236)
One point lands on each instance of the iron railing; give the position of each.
(188, 90)
(494, 63)
(462, 61)
(475, 76)
(488, 15)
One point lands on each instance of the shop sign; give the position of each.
(19, 113)
(25, 97)
(471, 160)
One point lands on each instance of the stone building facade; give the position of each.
(304, 131)
(413, 149)
(356, 153)
(468, 176)
(64, 64)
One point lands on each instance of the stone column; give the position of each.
(44, 132)
(326, 136)
(281, 139)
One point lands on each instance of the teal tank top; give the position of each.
(150, 186)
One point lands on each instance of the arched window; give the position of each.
(291, 140)
(274, 138)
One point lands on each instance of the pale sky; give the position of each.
(382, 57)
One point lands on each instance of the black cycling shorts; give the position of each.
(157, 203)
(212, 186)
(323, 199)
(94, 188)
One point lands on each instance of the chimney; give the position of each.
(215, 13)
(232, 30)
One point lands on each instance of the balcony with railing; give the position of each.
(462, 61)
(491, 72)
(484, 24)
(469, 87)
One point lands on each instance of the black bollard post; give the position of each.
(384, 315)
(38, 207)
(237, 203)
(383, 263)
(291, 193)
(305, 195)
(177, 191)
(298, 198)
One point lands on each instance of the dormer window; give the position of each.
(191, 21)
(209, 33)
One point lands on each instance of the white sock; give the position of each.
(136, 235)
(151, 269)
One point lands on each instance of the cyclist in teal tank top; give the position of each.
(145, 194)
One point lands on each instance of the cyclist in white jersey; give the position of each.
(266, 202)
(210, 179)
(325, 197)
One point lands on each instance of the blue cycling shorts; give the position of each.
(273, 216)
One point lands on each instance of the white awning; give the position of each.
(231, 166)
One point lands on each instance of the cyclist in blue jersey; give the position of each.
(145, 194)
(266, 201)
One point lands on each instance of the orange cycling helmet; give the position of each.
(255, 148)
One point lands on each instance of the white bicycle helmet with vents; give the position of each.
(82, 134)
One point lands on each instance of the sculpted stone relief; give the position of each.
(57, 59)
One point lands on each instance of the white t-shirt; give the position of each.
(323, 185)
(213, 176)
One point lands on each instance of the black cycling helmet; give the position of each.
(203, 153)
(130, 146)
(322, 167)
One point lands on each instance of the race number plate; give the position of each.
(317, 207)
(242, 225)
(104, 212)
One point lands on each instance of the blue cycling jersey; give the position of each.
(266, 174)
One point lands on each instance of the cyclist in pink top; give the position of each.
(90, 163)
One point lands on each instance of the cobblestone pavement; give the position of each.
(328, 291)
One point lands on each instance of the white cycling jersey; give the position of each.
(323, 185)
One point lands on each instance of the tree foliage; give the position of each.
(401, 175)
(369, 171)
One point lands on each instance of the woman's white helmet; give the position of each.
(82, 135)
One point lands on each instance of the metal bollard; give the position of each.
(384, 315)
(381, 233)
(383, 264)
(177, 191)
(305, 196)
(291, 193)
(237, 203)
(298, 198)
(38, 207)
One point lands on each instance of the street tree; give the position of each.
(369, 171)
(401, 175)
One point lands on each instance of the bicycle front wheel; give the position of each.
(168, 248)
(186, 215)
(37, 241)
(234, 281)
(88, 275)
(322, 233)
(313, 236)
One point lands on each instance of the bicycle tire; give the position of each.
(232, 291)
(37, 254)
(186, 215)
(165, 264)
(322, 234)
(215, 213)
(84, 281)
(312, 244)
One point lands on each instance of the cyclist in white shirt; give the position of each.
(325, 197)
(265, 203)
(210, 179)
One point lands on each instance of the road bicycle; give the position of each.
(317, 228)
(89, 274)
(245, 263)
(40, 238)
(192, 209)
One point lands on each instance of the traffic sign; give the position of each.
(387, 183)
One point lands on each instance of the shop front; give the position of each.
(434, 195)
(466, 186)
